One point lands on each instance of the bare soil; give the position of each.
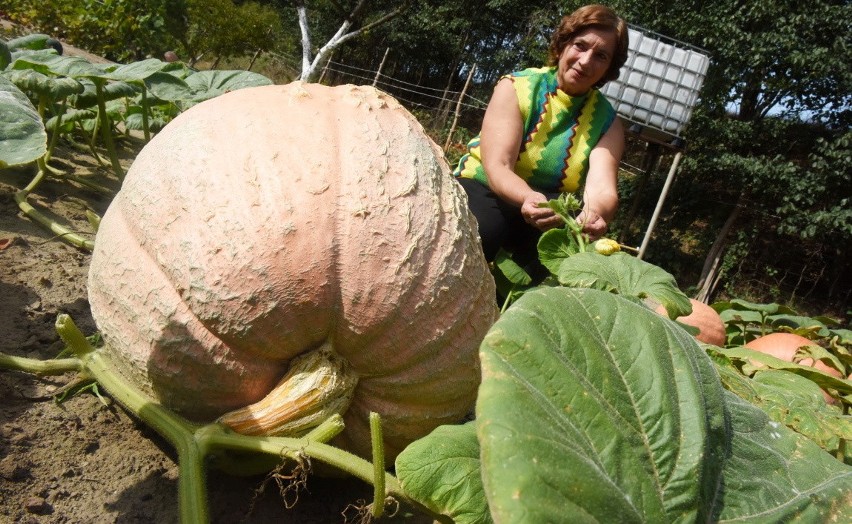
(81, 460)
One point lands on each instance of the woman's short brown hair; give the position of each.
(597, 16)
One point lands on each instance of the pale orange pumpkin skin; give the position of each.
(706, 319)
(784, 345)
(265, 222)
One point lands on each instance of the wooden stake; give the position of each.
(381, 65)
(458, 108)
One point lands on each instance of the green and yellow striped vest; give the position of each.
(559, 133)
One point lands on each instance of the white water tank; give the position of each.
(659, 84)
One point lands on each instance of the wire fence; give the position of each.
(435, 95)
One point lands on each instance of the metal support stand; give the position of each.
(649, 163)
(659, 207)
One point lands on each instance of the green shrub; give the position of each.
(119, 30)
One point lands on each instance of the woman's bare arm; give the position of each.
(500, 143)
(600, 196)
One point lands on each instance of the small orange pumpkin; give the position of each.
(711, 329)
(784, 346)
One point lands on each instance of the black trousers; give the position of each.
(502, 226)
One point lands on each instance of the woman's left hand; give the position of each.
(593, 224)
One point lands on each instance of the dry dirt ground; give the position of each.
(82, 461)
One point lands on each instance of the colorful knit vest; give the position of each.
(560, 132)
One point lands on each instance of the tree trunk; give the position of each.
(710, 274)
(443, 112)
(310, 67)
(253, 58)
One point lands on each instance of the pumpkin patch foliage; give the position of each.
(593, 408)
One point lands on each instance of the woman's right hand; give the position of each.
(542, 218)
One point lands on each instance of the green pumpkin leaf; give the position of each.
(554, 246)
(22, 132)
(210, 84)
(593, 408)
(845, 335)
(109, 91)
(167, 87)
(768, 309)
(740, 316)
(776, 475)
(72, 115)
(5, 55)
(791, 400)
(152, 73)
(755, 360)
(566, 205)
(49, 63)
(55, 87)
(135, 71)
(795, 322)
(133, 120)
(798, 403)
(827, 321)
(510, 269)
(626, 275)
(442, 472)
(32, 41)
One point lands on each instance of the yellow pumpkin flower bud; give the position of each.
(607, 246)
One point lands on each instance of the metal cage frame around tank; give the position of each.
(655, 94)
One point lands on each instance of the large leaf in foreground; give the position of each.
(595, 409)
(442, 472)
(776, 475)
(21, 129)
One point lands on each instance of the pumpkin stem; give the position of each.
(318, 384)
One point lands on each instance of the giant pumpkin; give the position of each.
(302, 227)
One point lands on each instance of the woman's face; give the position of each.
(585, 60)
